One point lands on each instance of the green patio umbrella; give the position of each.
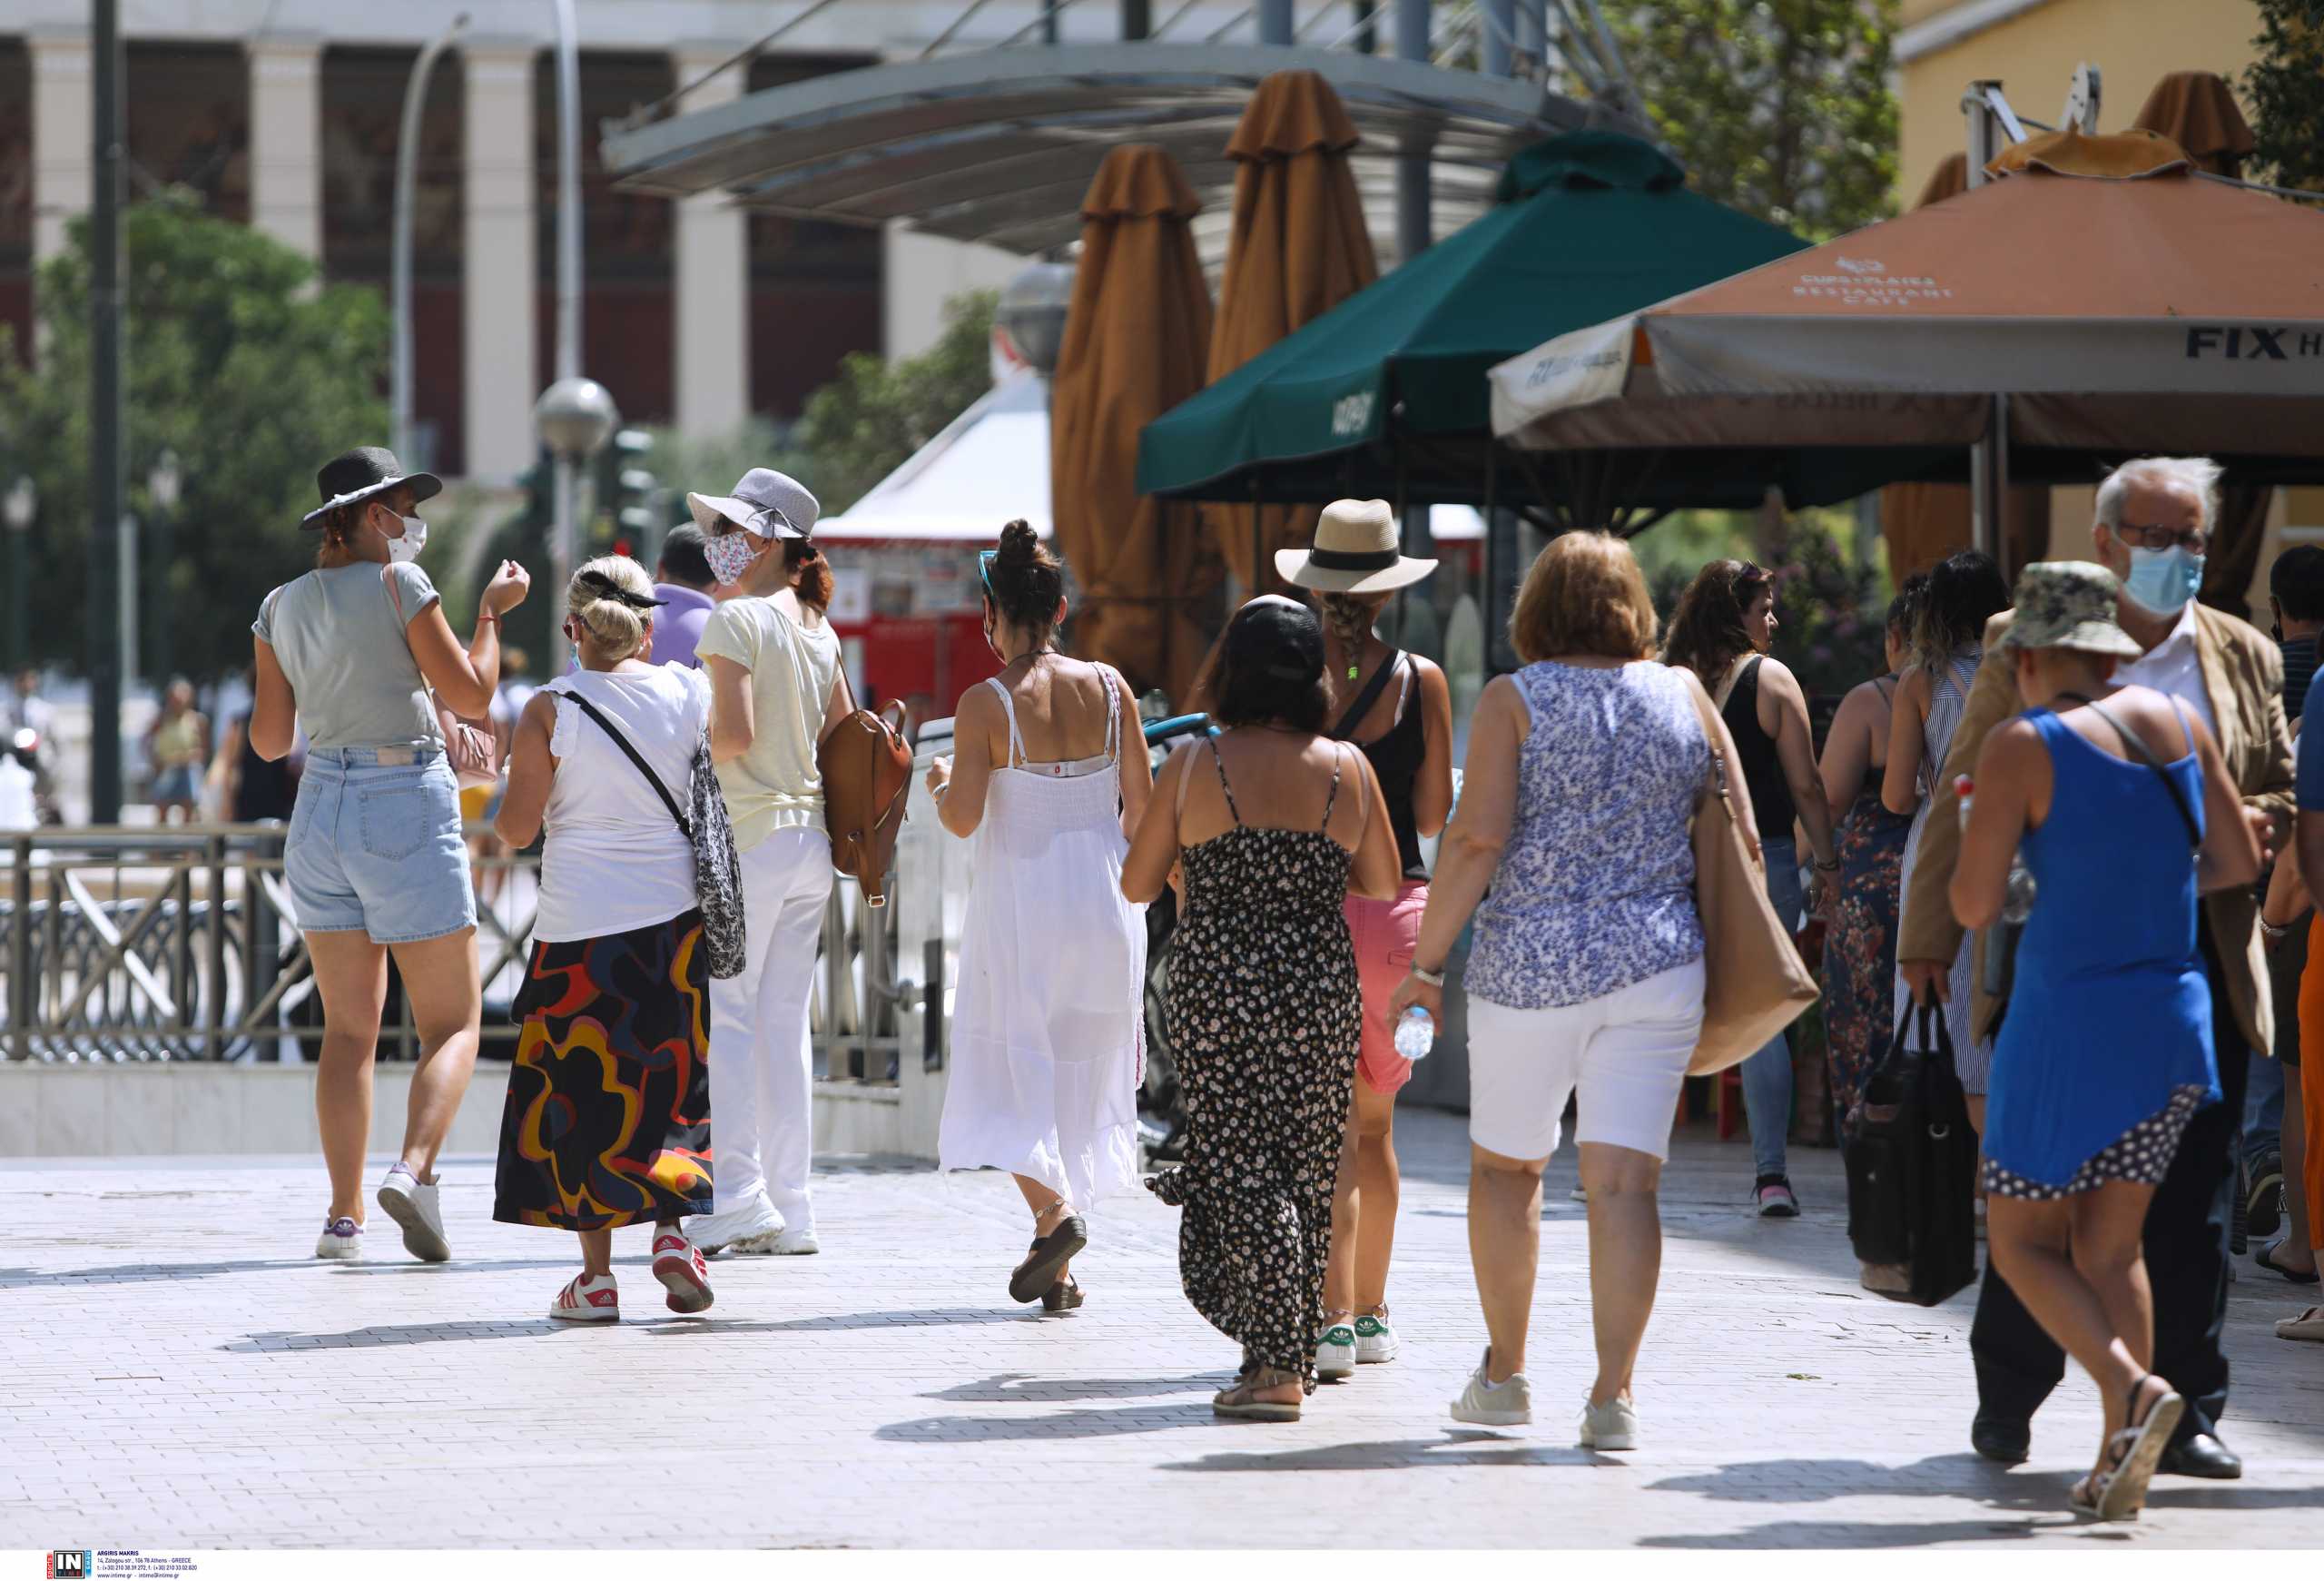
(1386, 395)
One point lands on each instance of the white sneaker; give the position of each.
(728, 1230)
(1612, 1426)
(1579, 1195)
(1335, 1352)
(1374, 1340)
(797, 1239)
(411, 1203)
(587, 1298)
(341, 1238)
(1506, 1404)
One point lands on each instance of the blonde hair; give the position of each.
(1584, 594)
(616, 631)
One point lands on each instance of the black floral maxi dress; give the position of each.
(1266, 1019)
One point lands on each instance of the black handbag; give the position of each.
(1911, 1163)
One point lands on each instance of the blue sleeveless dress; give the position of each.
(2106, 1050)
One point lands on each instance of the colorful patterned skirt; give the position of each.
(1860, 947)
(607, 1122)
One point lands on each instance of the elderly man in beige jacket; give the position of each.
(2154, 520)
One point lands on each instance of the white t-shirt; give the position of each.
(614, 859)
(776, 784)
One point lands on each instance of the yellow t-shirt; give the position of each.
(774, 784)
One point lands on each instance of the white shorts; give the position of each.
(1626, 1051)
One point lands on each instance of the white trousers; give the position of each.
(762, 1062)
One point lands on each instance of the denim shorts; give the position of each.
(376, 847)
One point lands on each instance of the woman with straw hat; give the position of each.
(1397, 710)
(2125, 813)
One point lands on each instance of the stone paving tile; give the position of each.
(181, 1374)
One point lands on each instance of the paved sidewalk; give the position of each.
(180, 1375)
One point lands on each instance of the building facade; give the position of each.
(286, 116)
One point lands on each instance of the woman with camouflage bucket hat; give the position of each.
(2125, 812)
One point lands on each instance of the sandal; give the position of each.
(2266, 1258)
(2118, 1491)
(1065, 1296)
(1241, 1400)
(1050, 1252)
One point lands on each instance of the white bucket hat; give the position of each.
(1355, 552)
(765, 503)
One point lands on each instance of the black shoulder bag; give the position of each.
(717, 866)
(1997, 958)
(1912, 1166)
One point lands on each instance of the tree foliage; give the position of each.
(233, 358)
(1781, 108)
(869, 420)
(2285, 87)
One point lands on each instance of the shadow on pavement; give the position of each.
(1023, 1386)
(1880, 1535)
(1458, 1448)
(1806, 1481)
(1061, 1425)
(923, 1318)
(130, 1273)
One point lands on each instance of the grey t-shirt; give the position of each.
(342, 643)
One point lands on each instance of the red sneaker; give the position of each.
(678, 1264)
(587, 1298)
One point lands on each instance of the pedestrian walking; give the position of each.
(256, 790)
(374, 859)
(1048, 1021)
(682, 581)
(1965, 591)
(2106, 1052)
(1397, 709)
(1273, 824)
(177, 744)
(1723, 630)
(607, 1119)
(776, 689)
(1860, 960)
(1586, 978)
(2286, 917)
(2153, 525)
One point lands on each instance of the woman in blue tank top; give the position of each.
(2125, 812)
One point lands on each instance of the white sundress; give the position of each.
(1048, 1021)
(1972, 1058)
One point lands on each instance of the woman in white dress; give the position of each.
(1048, 777)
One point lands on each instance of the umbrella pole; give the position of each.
(1989, 480)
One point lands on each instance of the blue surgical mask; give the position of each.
(2163, 581)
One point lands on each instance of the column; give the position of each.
(63, 177)
(498, 308)
(712, 280)
(286, 140)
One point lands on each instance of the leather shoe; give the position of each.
(2202, 1455)
(1998, 1438)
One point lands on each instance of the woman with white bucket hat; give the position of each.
(776, 690)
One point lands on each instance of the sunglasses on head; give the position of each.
(984, 569)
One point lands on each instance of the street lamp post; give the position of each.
(162, 486)
(576, 418)
(415, 98)
(21, 503)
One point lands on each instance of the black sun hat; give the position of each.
(360, 473)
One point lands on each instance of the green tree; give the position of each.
(234, 358)
(2285, 87)
(869, 420)
(1781, 108)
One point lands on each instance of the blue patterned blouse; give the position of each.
(1595, 890)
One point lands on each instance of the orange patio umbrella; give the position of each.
(1298, 248)
(1137, 339)
(1925, 522)
(2197, 111)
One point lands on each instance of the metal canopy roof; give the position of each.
(1000, 146)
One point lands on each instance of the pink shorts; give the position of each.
(1387, 932)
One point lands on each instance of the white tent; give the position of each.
(991, 466)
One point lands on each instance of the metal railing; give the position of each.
(164, 945)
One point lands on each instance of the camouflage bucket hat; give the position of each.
(2069, 603)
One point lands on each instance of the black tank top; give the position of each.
(1771, 805)
(1396, 758)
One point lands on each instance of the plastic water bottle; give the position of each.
(1415, 1034)
(2018, 894)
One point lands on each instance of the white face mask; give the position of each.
(405, 550)
(731, 556)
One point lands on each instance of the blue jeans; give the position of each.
(2263, 1109)
(1767, 1075)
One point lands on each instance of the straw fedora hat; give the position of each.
(1355, 552)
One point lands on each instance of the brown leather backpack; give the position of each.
(866, 768)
